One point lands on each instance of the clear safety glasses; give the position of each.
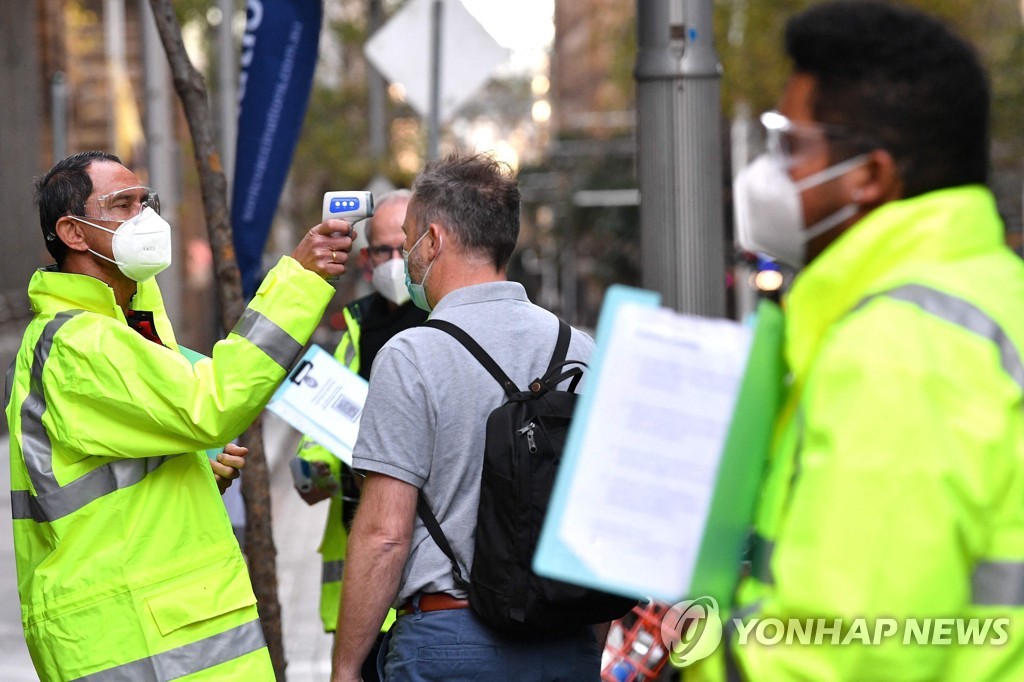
(791, 142)
(122, 205)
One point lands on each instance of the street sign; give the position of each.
(401, 49)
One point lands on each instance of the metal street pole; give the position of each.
(376, 88)
(679, 152)
(434, 124)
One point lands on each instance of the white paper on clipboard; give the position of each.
(324, 400)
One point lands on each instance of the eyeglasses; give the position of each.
(790, 142)
(124, 204)
(384, 252)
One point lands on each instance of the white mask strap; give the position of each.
(830, 173)
(98, 227)
(109, 260)
(828, 222)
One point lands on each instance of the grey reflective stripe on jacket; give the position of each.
(998, 583)
(103, 480)
(331, 571)
(187, 659)
(963, 314)
(270, 338)
(350, 351)
(993, 583)
(53, 501)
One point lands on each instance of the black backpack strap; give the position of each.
(561, 346)
(479, 353)
(434, 528)
(559, 373)
(556, 372)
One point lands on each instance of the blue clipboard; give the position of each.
(716, 556)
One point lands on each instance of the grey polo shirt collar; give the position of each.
(481, 293)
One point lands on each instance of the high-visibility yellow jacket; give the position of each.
(335, 540)
(127, 565)
(895, 488)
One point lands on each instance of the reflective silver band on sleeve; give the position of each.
(998, 583)
(332, 570)
(187, 659)
(266, 335)
(963, 314)
(56, 504)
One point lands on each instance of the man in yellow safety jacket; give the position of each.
(889, 538)
(369, 322)
(127, 565)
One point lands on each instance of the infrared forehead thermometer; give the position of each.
(348, 206)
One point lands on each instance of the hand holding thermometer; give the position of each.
(350, 206)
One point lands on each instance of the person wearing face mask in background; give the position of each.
(895, 485)
(127, 565)
(369, 323)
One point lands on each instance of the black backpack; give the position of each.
(524, 442)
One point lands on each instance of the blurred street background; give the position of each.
(566, 99)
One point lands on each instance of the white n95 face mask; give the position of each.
(769, 218)
(389, 281)
(141, 246)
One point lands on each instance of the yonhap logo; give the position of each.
(691, 630)
(344, 204)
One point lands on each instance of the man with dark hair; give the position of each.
(370, 322)
(422, 430)
(891, 519)
(127, 565)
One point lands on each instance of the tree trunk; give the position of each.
(259, 545)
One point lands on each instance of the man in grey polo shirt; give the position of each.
(423, 429)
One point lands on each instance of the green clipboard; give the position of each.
(741, 469)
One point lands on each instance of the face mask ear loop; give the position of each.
(830, 173)
(828, 222)
(98, 227)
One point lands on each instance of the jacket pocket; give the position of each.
(201, 597)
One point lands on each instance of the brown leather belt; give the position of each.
(433, 601)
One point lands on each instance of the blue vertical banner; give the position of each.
(279, 51)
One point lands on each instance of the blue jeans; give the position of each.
(454, 645)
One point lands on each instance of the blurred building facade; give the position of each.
(581, 199)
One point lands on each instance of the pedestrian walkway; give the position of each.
(297, 531)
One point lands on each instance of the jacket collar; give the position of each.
(51, 291)
(893, 244)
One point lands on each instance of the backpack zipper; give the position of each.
(528, 430)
